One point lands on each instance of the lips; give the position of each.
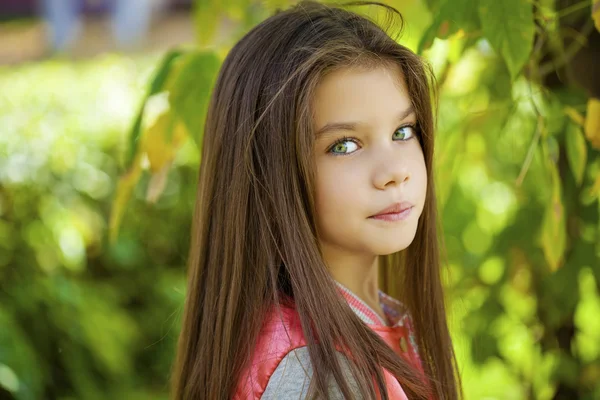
(396, 208)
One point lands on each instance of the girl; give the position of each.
(316, 172)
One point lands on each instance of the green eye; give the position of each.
(340, 148)
(404, 132)
(345, 146)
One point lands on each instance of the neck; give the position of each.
(358, 273)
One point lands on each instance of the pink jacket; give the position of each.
(280, 336)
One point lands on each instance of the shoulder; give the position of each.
(280, 365)
(280, 334)
(292, 377)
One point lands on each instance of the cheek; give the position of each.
(420, 177)
(336, 194)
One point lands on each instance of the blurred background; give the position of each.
(101, 111)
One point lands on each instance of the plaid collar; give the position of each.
(395, 312)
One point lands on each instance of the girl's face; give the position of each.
(368, 159)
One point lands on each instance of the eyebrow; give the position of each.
(351, 126)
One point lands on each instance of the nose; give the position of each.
(390, 172)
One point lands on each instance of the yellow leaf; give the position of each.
(596, 13)
(574, 115)
(160, 143)
(553, 235)
(593, 191)
(576, 152)
(162, 140)
(592, 122)
(124, 188)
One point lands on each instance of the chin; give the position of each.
(386, 247)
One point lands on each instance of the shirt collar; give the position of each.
(395, 312)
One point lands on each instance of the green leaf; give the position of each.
(452, 16)
(191, 89)
(156, 85)
(433, 5)
(206, 18)
(508, 25)
(576, 152)
(553, 235)
(125, 186)
(162, 140)
(21, 371)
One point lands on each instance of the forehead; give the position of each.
(372, 96)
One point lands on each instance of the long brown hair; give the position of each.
(254, 239)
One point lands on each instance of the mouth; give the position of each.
(396, 212)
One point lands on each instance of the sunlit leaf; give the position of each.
(162, 140)
(596, 13)
(189, 79)
(122, 194)
(592, 122)
(453, 15)
(588, 308)
(508, 25)
(553, 234)
(592, 192)
(191, 88)
(163, 132)
(574, 115)
(161, 75)
(206, 17)
(576, 151)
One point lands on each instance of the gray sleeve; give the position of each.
(291, 378)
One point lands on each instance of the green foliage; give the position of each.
(160, 139)
(156, 85)
(191, 103)
(509, 27)
(576, 152)
(96, 203)
(79, 317)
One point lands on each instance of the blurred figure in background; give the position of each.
(63, 22)
(130, 19)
